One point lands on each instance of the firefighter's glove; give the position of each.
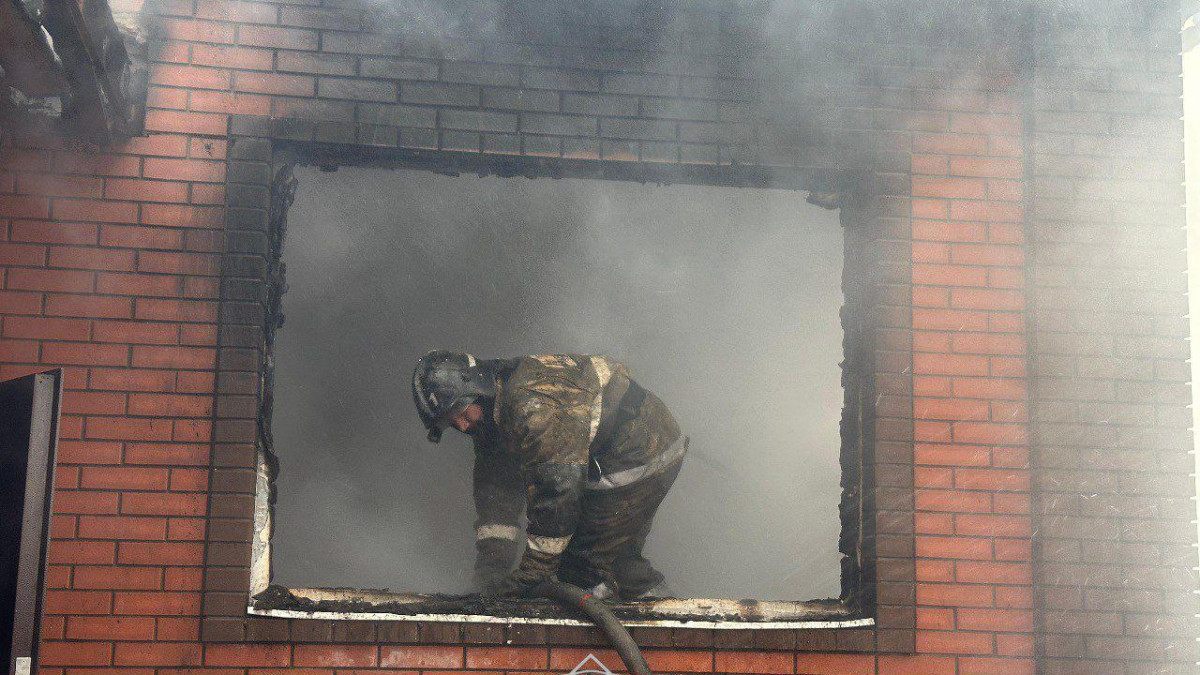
(493, 559)
(536, 567)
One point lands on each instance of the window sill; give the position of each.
(375, 605)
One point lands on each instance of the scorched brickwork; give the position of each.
(1012, 173)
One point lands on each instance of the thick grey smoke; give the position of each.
(724, 302)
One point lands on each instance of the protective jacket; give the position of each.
(562, 426)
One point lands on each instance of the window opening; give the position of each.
(724, 301)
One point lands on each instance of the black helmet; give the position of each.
(444, 383)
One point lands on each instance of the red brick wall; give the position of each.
(112, 262)
(970, 377)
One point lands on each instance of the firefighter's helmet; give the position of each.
(444, 383)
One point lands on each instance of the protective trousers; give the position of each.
(613, 526)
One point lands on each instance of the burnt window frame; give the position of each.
(877, 536)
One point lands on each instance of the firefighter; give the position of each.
(574, 441)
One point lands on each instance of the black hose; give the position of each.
(622, 641)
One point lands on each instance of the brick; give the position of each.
(520, 99)
(251, 655)
(953, 500)
(186, 123)
(935, 619)
(638, 129)
(122, 527)
(58, 185)
(995, 620)
(990, 388)
(78, 257)
(83, 552)
(163, 97)
(991, 479)
(84, 354)
(678, 661)
(421, 657)
(995, 666)
(135, 332)
(978, 298)
(195, 383)
(78, 603)
(559, 124)
(227, 102)
(938, 642)
(75, 654)
(572, 80)
(12, 303)
(341, 656)
(834, 664)
(191, 430)
(135, 237)
(998, 526)
(45, 328)
(19, 206)
(14, 351)
(189, 76)
(227, 56)
(110, 628)
(176, 310)
(51, 280)
(182, 216)
(915, 665)
(185, 358)
(184, 169)
(128, 379)
(356, 89)
(948, 187)
(438, 93)
(163, 504)
(954, 595)
(950, 364)
(953, 320)
(527, 658)
(648, 84)
(123, 428)
(994, 167)
(157, 654)
(88, 306)
(170, 405)
(991, 212)
(478, 120)
(156, 603)
(93, 402)
(123, 478)
(53, 232)
(948, 455)
(177, 629)
(85, 502)
(236, 11)
(164, 262)
(754, 662)
(117, 578)
(934, 230)
(170, 455)
(281, 38)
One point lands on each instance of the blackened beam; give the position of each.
(25, 53)
(97, 67)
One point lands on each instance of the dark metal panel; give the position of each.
(29, 409)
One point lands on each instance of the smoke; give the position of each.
(724, 302)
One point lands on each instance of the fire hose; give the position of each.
(577, 598)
